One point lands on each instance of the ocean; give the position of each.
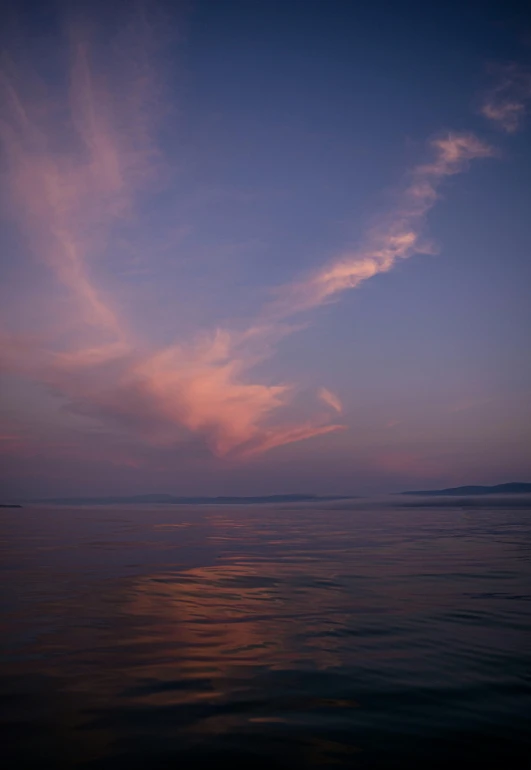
(347, 635)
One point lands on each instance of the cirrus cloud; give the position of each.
(506, 103)
(76, 165)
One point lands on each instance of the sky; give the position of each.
(257, 247)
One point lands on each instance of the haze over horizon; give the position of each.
(253, 248)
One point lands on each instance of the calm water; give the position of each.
(170, 637)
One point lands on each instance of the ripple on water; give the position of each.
(175, 637)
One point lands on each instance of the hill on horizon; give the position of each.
(512, 488)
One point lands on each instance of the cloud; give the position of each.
(76, 165)
(74, 171)
(506, 104)
(408, 464)
(77, 155)
(198, 389)
(331, 399)
(463, 406)
(397, 238)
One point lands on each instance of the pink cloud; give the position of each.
(400, 237)
(506, 104)
(463, 406)
(68, 192)
(407, 464)
(199, 389)
(331, 399)
(75, 169)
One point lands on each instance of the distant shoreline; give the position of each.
(512, 488)
(174, 500)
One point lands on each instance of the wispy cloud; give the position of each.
(331, 399)
(399, 237)
(76, 164)
(78, 152)
(73, 172)
(506, 104)
(404, 464)
(198, 389)
(463, 406)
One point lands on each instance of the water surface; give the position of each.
(271, 636)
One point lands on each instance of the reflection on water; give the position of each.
(266, 636)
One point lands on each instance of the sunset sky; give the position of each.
(264, 246)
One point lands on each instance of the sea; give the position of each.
(353, 634)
